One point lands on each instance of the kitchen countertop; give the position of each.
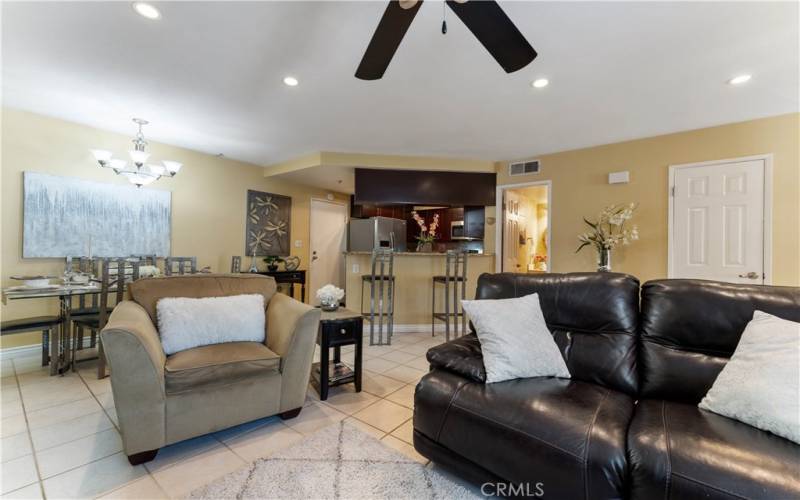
(421, 254)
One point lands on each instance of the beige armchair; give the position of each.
(162, 399)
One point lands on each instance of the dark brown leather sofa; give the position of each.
(627, 424)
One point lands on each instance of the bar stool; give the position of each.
(455, 273)
(381, 278)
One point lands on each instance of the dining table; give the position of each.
(60, 354)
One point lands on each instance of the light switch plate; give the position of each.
(298, 243)
(356, 269)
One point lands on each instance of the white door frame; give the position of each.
(499, 223)
(767, 159)
(310, 225)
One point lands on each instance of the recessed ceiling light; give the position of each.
(540, 83)
(146, 10)
(740, 79)
(290, 81)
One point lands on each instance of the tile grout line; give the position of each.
(119, 431)
(28, 431)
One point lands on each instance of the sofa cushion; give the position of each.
(218, 365)
(567, 434)
(677, 450)
(594, 319)
(147, 291)
(462, 356)
(690, 329)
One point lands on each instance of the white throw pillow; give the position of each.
(515, 340)
(184, 323)
(760, 385)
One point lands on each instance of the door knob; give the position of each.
(752, 275)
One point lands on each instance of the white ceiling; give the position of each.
(209, 75)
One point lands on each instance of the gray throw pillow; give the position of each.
(760, 385)
(515, 340)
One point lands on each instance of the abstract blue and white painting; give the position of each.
(67, 216)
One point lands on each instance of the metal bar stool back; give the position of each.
(455, 284)
(381, 294)
(180, 265)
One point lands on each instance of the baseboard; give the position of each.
(23, 351)
(412, 328)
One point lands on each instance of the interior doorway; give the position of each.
(523, 235)
(720, 220)
(328, 227)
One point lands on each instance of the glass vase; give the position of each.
(604, 260)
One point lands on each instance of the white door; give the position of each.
(328, 242)
(718, 222)
(511, 221)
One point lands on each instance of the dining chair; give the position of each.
(146, 260)
(48, 325)
(180, 265)
(115, 273)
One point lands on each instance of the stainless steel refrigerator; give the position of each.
(377, 232)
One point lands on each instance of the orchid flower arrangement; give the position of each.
(427, 233)
(609, 231)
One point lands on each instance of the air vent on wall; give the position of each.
(523, 168)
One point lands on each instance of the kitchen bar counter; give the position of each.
(421, 254)
(413, 281)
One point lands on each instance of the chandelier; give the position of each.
(138, 173)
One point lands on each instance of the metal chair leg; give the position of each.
(45, 347)
(446, 313)
(101, 359)
(433, 308)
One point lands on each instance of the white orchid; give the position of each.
(609, 231)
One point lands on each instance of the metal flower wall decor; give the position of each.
(268, 222)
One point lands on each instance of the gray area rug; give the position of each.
(339, 462)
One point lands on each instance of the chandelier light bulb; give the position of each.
(117, 165)
(101, 155)
(172, 166)
(139, 157)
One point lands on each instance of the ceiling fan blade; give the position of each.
(492, 27)
(387, 37)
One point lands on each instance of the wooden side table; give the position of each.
(336, 329)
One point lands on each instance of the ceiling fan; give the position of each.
(484, 18)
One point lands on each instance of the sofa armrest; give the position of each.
(461, 356)
(292, 334)
(136, 358)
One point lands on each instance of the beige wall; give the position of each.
(580, 188)
(208, 198)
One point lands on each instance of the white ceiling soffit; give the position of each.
(209, 75)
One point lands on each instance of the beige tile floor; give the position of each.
(59, 436)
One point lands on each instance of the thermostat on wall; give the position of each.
(623, 177)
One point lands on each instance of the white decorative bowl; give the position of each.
(37, 283)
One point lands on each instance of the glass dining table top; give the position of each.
(23, 292)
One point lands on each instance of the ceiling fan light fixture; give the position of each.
(407, 4)
(290, 81)
(146, 10)
(540, 83)
(740, 79)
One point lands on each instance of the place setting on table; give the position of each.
(85, 278)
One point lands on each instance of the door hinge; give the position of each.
(672, 191)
